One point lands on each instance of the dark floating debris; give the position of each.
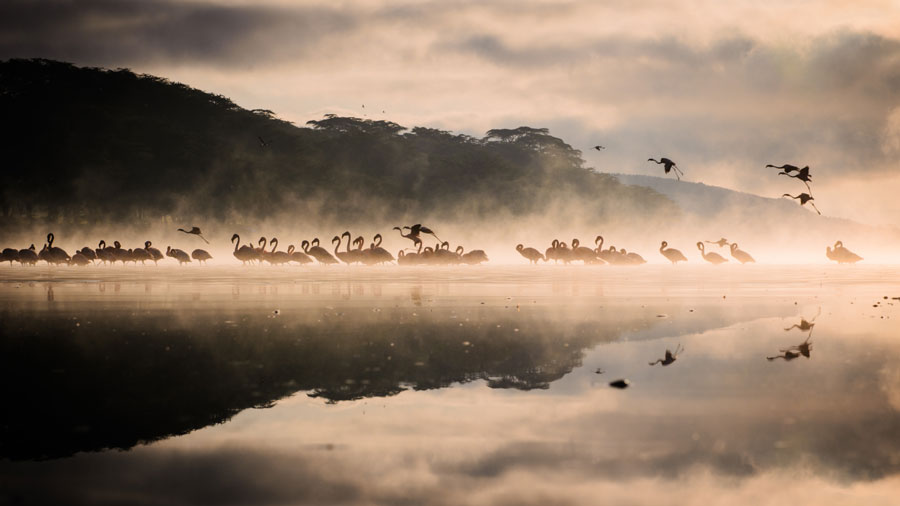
(599, 371)
(620, 383)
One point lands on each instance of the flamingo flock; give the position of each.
(348, 250)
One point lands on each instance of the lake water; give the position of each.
(482, 385)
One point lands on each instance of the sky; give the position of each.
(722, 88)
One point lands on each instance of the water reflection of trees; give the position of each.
(114, 381)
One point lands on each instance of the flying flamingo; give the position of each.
(669, 166)
(802, 175)
(194, 231)
(804, 198)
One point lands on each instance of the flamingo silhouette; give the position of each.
(531, 254)
(194, 231)
(804, 198)
(802, 175)
(672, 254)
(741, 256)
(669, 166)
(713, 258)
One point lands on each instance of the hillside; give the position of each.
(767, 222)
(88, 147)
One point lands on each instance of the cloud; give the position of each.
(106, 32)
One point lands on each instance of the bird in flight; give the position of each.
(804, 198)
(194, 231)
(669, 166)
(721, 242)
(599, 147)
(787, 167)
(802, 175)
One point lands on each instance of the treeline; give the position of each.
(93, 146)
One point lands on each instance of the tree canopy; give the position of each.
(89, 145)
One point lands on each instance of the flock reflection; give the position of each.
(89, 378)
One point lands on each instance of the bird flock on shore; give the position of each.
(355, 252)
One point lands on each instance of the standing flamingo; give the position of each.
(741, 255)
(531, 254)
(713, 258)
(672, 254)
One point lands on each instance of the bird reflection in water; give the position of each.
(804, 348)
(793, 352)
(670, 356)
(804, 325)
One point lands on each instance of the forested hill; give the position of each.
(88, 146)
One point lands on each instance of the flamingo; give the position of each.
(474, 257)
(585, 254)
(531, 254)
(88, 253)
(786, 167)
(713, 258)
(343, 256)
(605, 255)
(802, 175)
(194, 231)
(741, 255)
(104, 253)
(845, 256)
(632, 257)
(319, 253)
(9, 255)
(140, 255)
(155, 254)
(404, 258)
(243, 253)
(277, 257)
(28, 256)
(564, 253)
(79, 259)
(416, 241)
(55, 255)
(669, 165)
(261, 253)
(201, 255)
(804, 198)
(672, 254)
(377, 254)
(178, 254)
(552, 251)
(721, 242)
(298, 256)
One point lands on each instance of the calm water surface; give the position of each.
(484, 385)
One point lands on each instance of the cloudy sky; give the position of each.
(723, 88)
